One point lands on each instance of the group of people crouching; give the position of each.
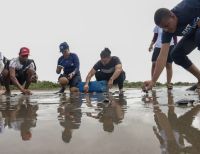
(21, 71)
(108, 68)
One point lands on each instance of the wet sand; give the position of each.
(137, 123)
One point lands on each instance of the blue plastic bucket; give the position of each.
(94, 86)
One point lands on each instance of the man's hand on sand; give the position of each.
(147, 85)
(26, 92)
(86, 88)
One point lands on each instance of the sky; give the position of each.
(88, 26)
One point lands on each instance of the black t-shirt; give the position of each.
(108, 68)
(188, 13)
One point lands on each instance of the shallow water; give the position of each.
(136, 123)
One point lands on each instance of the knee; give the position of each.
(63, 81)
(31, 75)
(177, 61)
(5, 72)
(123, 76)
(74, 90)
(30, 72)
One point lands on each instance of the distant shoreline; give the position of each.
(158, 84)
(46, 85)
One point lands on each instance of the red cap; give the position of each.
(26, 135)
(24, 51)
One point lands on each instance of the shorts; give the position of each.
(156, 53)
(74, 81)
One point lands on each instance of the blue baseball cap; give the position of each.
(63, 46)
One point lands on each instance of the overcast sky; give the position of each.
(124, 26)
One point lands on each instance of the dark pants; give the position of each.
(105, 76)
(21, 76)
(185, 46)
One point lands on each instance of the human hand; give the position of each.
(147, 85)
(70, 76)
(60, 67)
(150, 48)
(26, 92)
(86, 88)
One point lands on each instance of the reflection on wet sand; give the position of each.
(100, 123)
(69, 115)
(110, 110)
(20, 115)
(175, 134)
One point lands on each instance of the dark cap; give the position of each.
(63, 46)
(105, 53)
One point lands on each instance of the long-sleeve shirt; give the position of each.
(70, 64)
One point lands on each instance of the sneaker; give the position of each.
(121, 92)
(62, 90)
(170, 86)
(106, 100)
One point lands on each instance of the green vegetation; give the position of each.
(158, 84)
(48, 85)
(44, 85)
(41, 85)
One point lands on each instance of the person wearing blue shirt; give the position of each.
(69, 64)
(182, 20)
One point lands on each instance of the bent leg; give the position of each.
(169, 72)
(154, 58)
(153, 68)
(73, 83)
(6, 81)
(180, 52)
(120, 80)
(27, 77)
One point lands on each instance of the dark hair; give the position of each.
(66, 137)
(105, 53)
(161, 14)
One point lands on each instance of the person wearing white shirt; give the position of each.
(20, 72)
(156, 41)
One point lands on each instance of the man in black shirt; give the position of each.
(182, 20)
(109, 68)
